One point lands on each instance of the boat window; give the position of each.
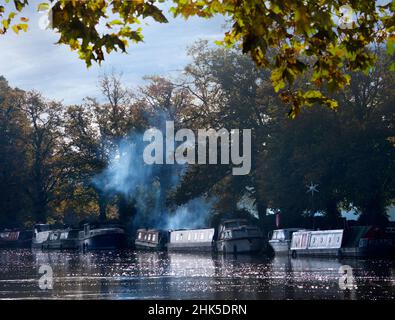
(181, 236)
(54, 236)
(189, 237)
(149, 237)
(201, 236)
(139, 235)
(42, 227)
(154, 237)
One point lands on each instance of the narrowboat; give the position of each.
(361, 241)
(62, 239)
(280, 240)
(41, 234)
(192, 240)
(102, 237)
(151, 239)
(16, 239)
(238, 236)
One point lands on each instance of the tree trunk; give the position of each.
(126, 209)
(262, 208)
(102, 207)
(332, 214)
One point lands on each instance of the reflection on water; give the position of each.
(159, 275)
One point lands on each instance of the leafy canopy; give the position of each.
(324, 40)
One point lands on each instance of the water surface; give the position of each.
(158, 275)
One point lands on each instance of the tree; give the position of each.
(46, 148)
(321, 40)
(333, 148)
(368, 127)
(93, 130)
(14, 171)
(229, 92)
(348, 152)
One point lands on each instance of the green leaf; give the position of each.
(391, 46)
(15, 29)
(116, 22)
(5, 23)
(43, 6)
(23, 26)
(277, 79)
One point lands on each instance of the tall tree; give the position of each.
(46, 148)
(14, 126)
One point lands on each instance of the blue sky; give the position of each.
(32, 60)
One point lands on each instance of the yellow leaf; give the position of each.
(43, 6)
(15, 29)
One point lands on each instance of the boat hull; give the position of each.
(16, 244)
(343, 253)
(280, 247)
(148, 246)
(245, 245)
(190, 247)
(110, 241)
(64, 244)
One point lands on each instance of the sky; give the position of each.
(32, 60)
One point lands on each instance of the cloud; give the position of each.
(32, 60)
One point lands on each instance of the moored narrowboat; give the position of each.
(62, 239)
(151, 239)
(192, 240)
(238, 236)
(102, 237)
(16, 239)
(360, 241)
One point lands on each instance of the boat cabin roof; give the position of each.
(235, 220)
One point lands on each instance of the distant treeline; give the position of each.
(51, 154)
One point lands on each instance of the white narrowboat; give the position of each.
(359, 241)
(201, 240)
(322, 242)
(238, 236)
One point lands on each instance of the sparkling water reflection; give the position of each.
(159, 275)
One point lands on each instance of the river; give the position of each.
(159, 275)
